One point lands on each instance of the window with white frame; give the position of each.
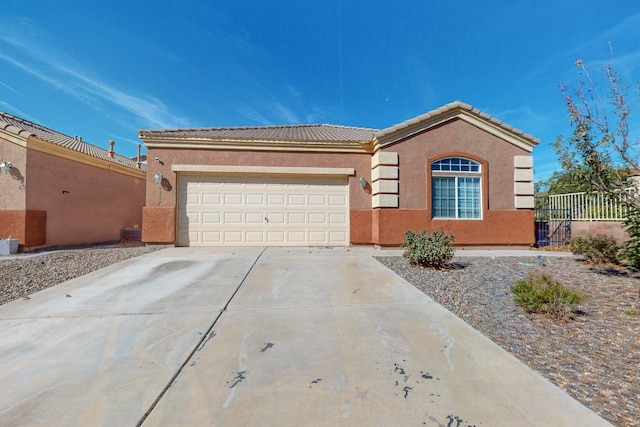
(456, 189)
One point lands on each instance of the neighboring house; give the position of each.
(453, 168)
(61, 190)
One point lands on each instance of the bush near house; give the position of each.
(597, 249)
(432, 249)
(540, 293)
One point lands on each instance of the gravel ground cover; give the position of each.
(595, 358)
(30, 273)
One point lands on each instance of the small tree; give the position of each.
(601, 151)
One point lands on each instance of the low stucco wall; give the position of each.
(608, 228)
(509, 227)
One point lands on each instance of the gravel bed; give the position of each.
(595, 358)
(30, 273)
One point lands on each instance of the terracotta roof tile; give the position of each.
(25, 128)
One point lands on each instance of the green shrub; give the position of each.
(433, 249)
(598, 249)
(631, 249)
(540, 293)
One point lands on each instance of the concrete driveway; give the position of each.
(282, 337)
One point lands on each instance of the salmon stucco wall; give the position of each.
(457, 137)
(83, 203)
(158, 224)
(12, 185)
(506, 227)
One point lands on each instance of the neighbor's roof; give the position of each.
(25, 128)
(269, 133)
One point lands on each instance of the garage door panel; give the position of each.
(277, 237)
(317, 218)
(211, 237)
(297, 199)
(233, 237)
(317, 200)
(209, 199)
(235, 210)
(233, 199)
(337, 218)
(254, 218)
(233, 217)
(296, 218)
(275, 200)
(297, 237)
(275, 218)
(254, 237)
(211, 218)
(317, 237)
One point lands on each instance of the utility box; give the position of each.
(8, 246)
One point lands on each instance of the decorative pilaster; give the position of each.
(523, 182)
(384, 180)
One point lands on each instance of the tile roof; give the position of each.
(326, 132)
(456, 105)
(25, 128)
(271, 133)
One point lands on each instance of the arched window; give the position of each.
(456, 189)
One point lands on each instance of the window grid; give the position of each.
(455, 164)
(456, 197)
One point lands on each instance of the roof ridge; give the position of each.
(301, 125)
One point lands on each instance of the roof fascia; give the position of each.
(479, 122)
(13, 138)
(43, 146)
(258, 145)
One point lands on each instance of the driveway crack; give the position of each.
(200, 344)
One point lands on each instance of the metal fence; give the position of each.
(585, 206)
(553, 226)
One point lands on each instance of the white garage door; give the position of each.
(217, 210)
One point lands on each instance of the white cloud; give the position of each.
(38, 58)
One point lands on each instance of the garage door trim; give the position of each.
(263, 170)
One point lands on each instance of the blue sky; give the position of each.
(104, 69)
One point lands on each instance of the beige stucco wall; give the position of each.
(12, 188)
(615, 229)
(358, 199)
(99, 202)
(462, 137)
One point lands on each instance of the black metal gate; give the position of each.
(553, 226)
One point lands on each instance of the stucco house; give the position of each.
(58, 190)
(453, 168)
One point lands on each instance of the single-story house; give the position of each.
(454, 168)
(58, 190)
